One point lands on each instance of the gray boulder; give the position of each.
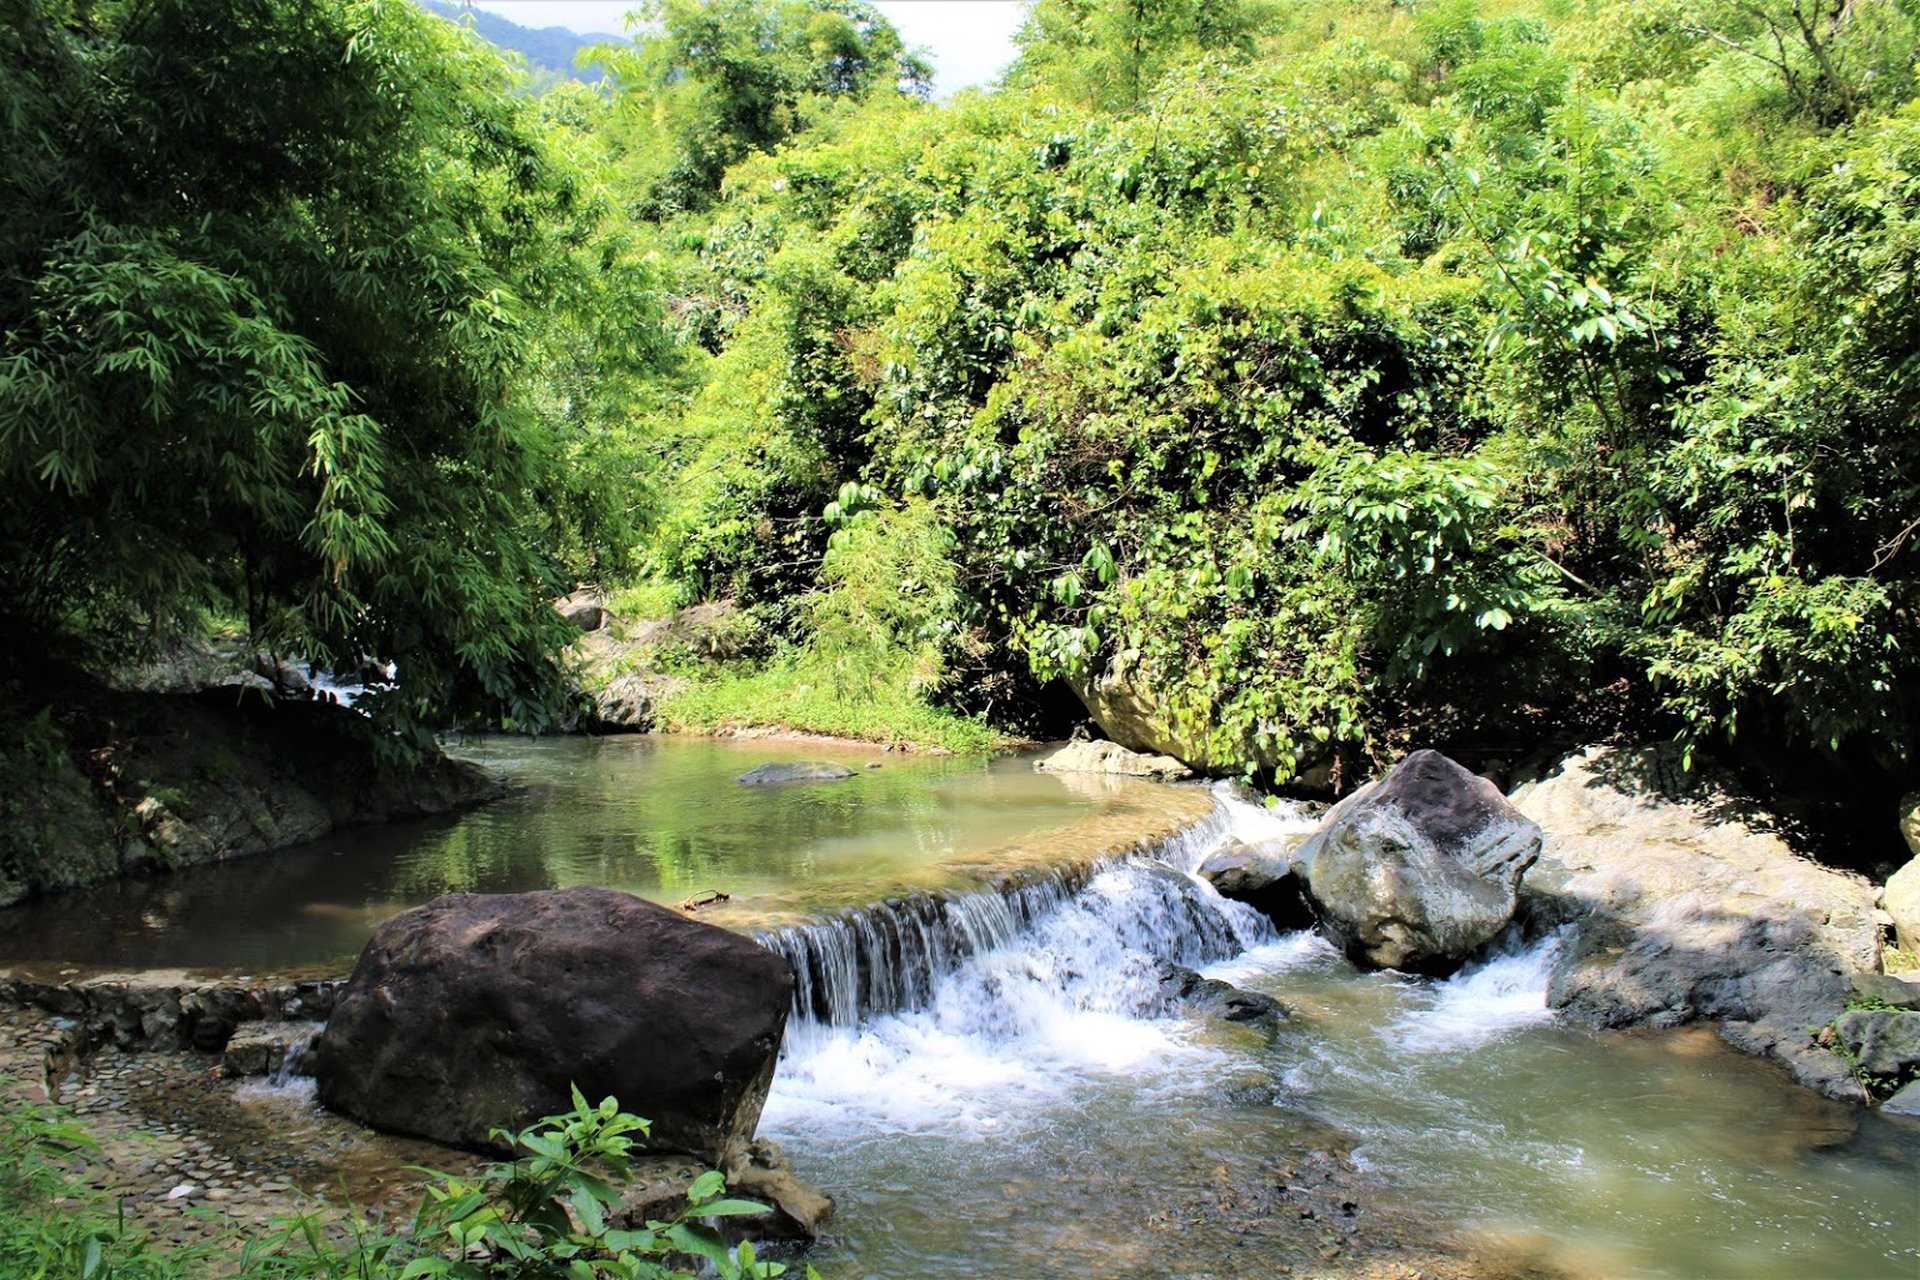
(1904, 1103)
(779, 772)
(482, 1011)
(584, 609)
(1683, 904)
(1111, 757)
(1262, 876)
(1420, 869)
(1885, 991)
(1882, 1042)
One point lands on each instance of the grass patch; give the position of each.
(648, 598)
(801, 693)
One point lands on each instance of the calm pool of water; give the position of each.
(658, 816)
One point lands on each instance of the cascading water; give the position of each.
(995, 1085)
(893, 956)
(953, 1014)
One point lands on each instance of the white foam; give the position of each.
(1506, 990)
(1027, 1019)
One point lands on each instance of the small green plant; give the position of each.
(548, 1212)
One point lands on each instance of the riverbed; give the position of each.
(1030, 1105)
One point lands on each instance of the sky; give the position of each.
(968, 41)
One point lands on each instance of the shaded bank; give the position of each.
(101, 784)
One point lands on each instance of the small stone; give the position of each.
(1904, 1103)
(182, 1191)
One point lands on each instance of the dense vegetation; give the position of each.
(1334, 372)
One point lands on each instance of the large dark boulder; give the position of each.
(1421, 869)
(480, 1011)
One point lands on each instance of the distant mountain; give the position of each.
(549, 49)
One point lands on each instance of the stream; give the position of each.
(1037, 1115)
(993, 1083)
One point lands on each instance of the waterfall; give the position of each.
(889, 957)
(935, 1011)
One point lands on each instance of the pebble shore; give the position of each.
(192, 1156)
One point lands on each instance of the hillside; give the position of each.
(546, 49)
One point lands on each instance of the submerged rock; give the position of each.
(1684, 905)
(1210, 997)
(1419, 870)
(1111, 757)
(479, 1011)
(779, 772)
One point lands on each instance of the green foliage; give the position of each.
(1108, 53)
(1323, 364)
(545, 1215)
(875, 642)
(548, 1213)
(1428, 349)
(283, 353)
(728, 78)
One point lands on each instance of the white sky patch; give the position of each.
(969, 42)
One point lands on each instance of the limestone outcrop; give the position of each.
(1883, 1043)
(1420, 869)
(1112, 758)
(479, 1012)
(155, 782)
(617, 663)
(1683, 903)
(1122, 699)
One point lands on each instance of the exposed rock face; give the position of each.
(1111, 757)
(1904, 1103)
(1122, 700)
(480, 1011)
(1901, 900)
(780, 772)
(616, 664)
(1685, 906)
(1420, 869)
(171, 781)
(584, 609)
(1883, 1042)
(1262, 876)
(169, 1009)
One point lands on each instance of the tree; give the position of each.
(1109, 53)
(728, 78)
(278, 352)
